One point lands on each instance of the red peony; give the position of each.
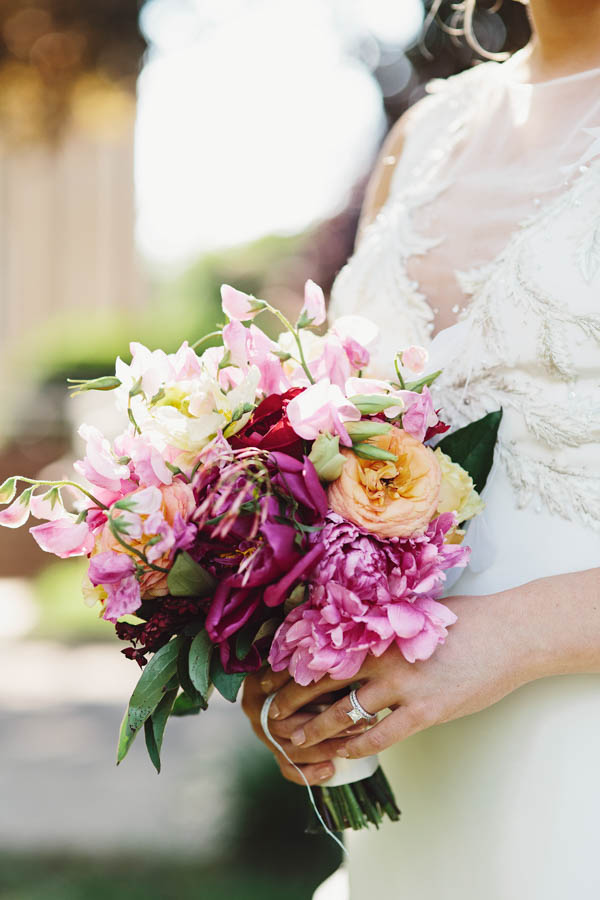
(269, 427)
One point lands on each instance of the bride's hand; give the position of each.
(315, 762)
(489, 652)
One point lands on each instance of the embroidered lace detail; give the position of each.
(523, 351)
(530, 335)
(565, 492)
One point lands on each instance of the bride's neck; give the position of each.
(566, 37)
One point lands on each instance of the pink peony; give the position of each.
(367, 593)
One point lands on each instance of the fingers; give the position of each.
(322, 753)
(373, 696)
(292, 697)
(272, 681)
(286, 727)
(400, 724)
(315, 774)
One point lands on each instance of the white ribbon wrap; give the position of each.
(349, 770)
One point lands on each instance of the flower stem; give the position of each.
(74, 484)
(131, 549)
(206, 337)
(287, 324)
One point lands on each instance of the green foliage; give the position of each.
(148, 693)
(472, 447)
(154, 727)
(200, 653)
(228, 685)
(188, 579)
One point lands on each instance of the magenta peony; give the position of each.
(367, 593)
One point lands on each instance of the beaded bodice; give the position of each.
(528, 335)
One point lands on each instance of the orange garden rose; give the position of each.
(389, 499)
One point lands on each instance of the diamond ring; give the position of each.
(358, 711)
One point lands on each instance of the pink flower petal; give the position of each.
(64, 537)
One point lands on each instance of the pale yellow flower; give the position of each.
(457, 494)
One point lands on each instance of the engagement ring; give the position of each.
(358, 711)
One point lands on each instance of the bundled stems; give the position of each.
(356, 805)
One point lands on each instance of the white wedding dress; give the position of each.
(503, 176)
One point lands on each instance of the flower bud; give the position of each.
(361, 431)
(370, 404)
(326, 457)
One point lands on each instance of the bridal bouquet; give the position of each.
(266, 501)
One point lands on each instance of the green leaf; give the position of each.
(200, 654)
(126, 738)
(183, 673)
(228, 685)
(154, 727)
(305, 320)
(148, 693)
(426, 381)
(472, 447)
(369, 451)
(183, 706)
(8, 489)
(188, 579)
(245, 638)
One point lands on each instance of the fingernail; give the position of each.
(298, 737)
(266, 686)
(343, 752)
(325, 772)
(274, 712)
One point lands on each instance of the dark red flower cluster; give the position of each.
(170, 618)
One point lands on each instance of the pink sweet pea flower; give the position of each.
(122, 600)
(237, 305)
(147, 461)
(144, 502)
(64, 537)
(251, 347)
(17, 513)
(110, 567)
(313, 312)
(186, 363)
(47, 505)
(358, 356)
(333, 363)
(100, 465)
(415, 359)
(419, 415)
(321, 408)
(115, 572)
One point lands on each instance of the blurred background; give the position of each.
(148, 153)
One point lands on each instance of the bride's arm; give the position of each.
(500, 642)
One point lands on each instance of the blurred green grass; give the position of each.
(62, 614)
(56, 877)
